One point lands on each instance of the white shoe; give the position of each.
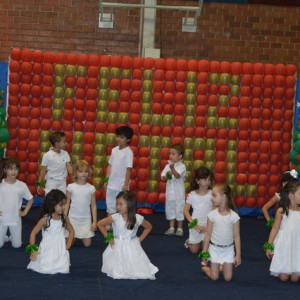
(186, 243)
(179, 232)
(170, 231)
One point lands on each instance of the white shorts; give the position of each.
(52, 184)
(195, 236)
(15, 232)
(174, 210)
(82, 228)
(221, 255)
(111, 201)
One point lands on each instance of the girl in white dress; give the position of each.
(222, 244)
(200, 201)
(288, 176)
(52, 255)
(124, 258)
(12, 193)
(285, 235)
(81, 203)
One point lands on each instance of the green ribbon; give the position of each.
(108, 238)
(31, 248)
(268, 246)
(105, 179)
(168, 175)
(204, 255)
(40, 183)
(193, 224)
(270, 223)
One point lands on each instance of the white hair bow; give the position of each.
(294, 173)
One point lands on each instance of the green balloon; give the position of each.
(210, 165)
(44, 136)
(102, 105)
(59, 81)
(59, 92)
(59, 69)
(155, 142)
(191, 88)
(210, 144)
(233, 123)
(251, 190)
(191, 76)
(190, 99)
(97, 182)
(231, 167)
(77, 137)
(103, 83)
(190, 110)
(212, 111)
(152, 185)
(167, 120)
(235, 79)
(154, 173)
(98, 172)
(69, 93)
(146, 119)
(57, 114)
(147, 85)
(123, 117)
(103, 94)
(189, 165)
(235, 90)
(2, 113)
(126, 73)
(147, 97)
(148, 75)
(230, 178)
(209, 156)
(112, 117)
(188, 143)
(144, 141)
(231, 156)
(146, 108)
(45, 146)
(188, 176)
(81, 71)
(99, 149)
(224, 78)
(211, 122)
(165, 142)
(189, 121)
(113, 95)
(187, 186)
(231, 145)
(214, 78)
(156, 120)
(240, 190)
(75, 157)
(77, 149)
(198, 164)
(154, 153)
(111, 139)
(115, 72)
(101, 116)
(58, 103)
(223, 100)
(4, 135)
(104, 72)
(222, 122)
(70, 70)
(99, 161)
(99, 138)
(199, 144)
(154, 165)
(188, 154)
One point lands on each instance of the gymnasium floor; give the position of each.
(179, 275)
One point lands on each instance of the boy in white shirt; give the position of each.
(174, 173)
(56, 165)
(119, 168)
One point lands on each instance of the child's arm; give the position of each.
(174, 172)
(70, 170)
(275, 229)
(127, 179)
(267, 206)
(208, 232)
(42, 175)
(189, 218)
(94, 211)
(37, 228)
(68, 202)
(70, 228)
(101, 226)
(237, 243)
(147, 229)
(27, 208)
(108, 170)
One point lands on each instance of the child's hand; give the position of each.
(125, 187)
(171, 165)
(164, 178)
(199, 228)
(33, 255)
(22, 214)
(94, 226)
(237, 260)
(105, 185)
(112, 243)
(269, 254)
(40, 191)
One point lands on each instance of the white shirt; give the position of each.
(81, 195)
(175, 189)
(222, 233)
(201, 205)
(120, 160)
(56, 164)
(11, 197)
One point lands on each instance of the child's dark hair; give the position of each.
(200, 173)
(225, 189)
(130, 199)
(56, 136)
(290, 188)
(179, 148)
(48, 208)
(7, 163)
(125, 131)
(289, 177)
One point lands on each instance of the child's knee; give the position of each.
(283, 277)
(227, 277)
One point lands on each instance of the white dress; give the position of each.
(286, 257)
(53, 256)
(127, 259)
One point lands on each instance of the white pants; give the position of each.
(15, 235)
(52, 184)
(174, 210)
(111, 201)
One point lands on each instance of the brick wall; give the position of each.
(232, 32)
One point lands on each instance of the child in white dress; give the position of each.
(222, 244)
(81, 203)
(52, 255)
(285, 235)
(200, 201)
(12, 193)
(174, 173)
(124, 258)
(288, 176)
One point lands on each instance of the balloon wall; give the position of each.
(233, 118)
